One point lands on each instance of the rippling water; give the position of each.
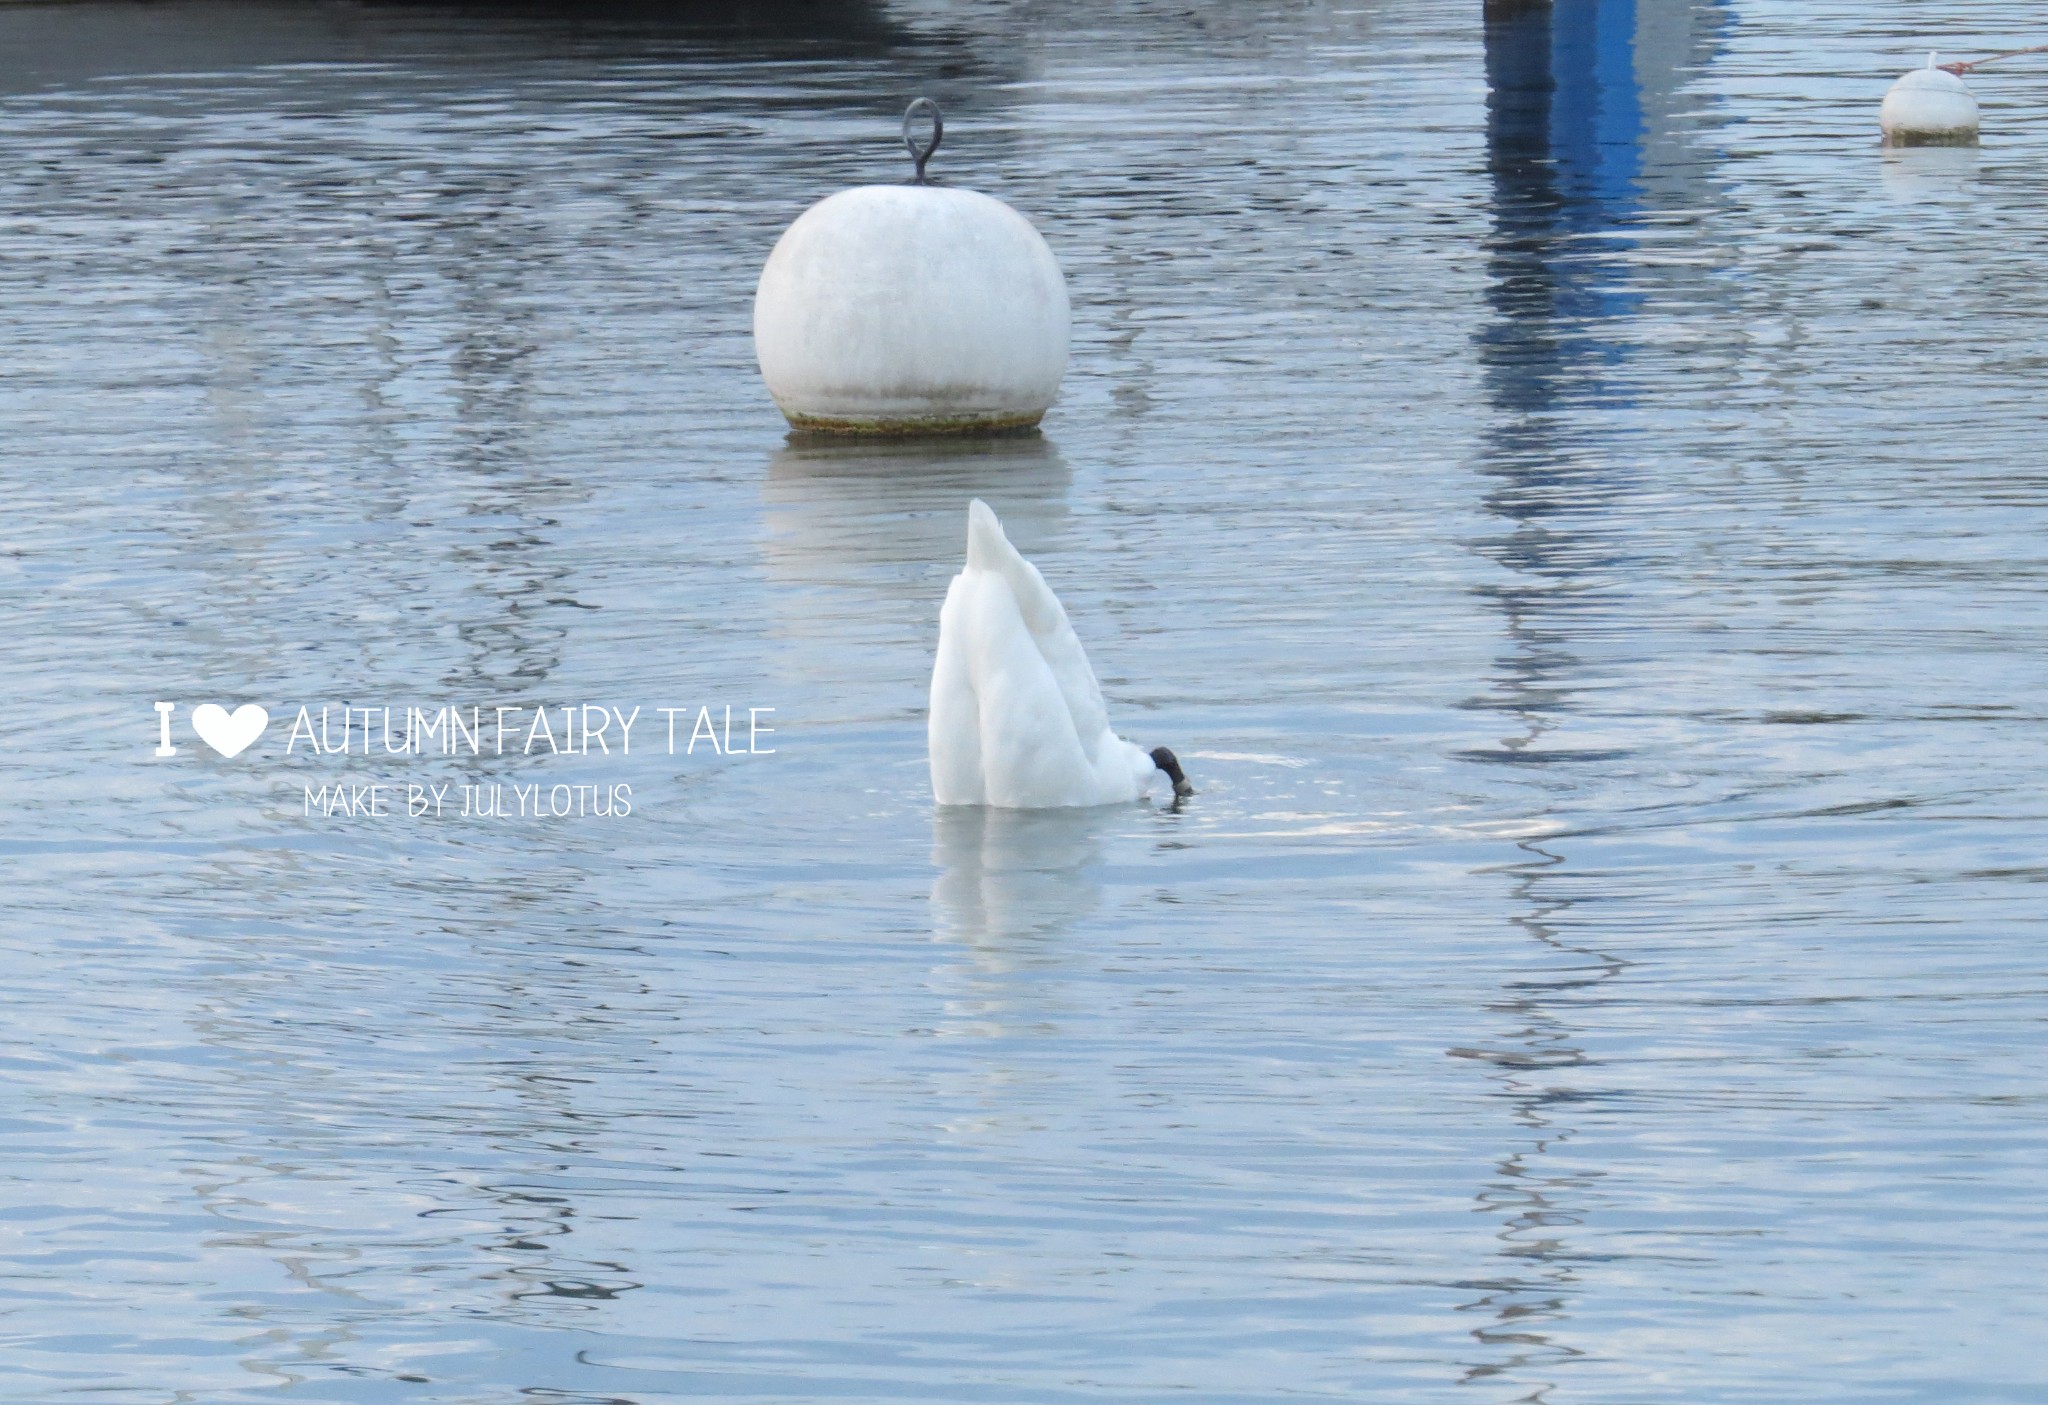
(1589, 545)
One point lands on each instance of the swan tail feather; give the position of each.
(989, 549)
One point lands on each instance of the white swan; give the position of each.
(1017, 717)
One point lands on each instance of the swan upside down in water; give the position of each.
(1017, 718)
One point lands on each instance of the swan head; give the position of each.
(1166, 761)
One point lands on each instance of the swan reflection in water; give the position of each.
(1013, 886)
(1010, 878)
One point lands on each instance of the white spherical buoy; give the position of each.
(911, 309)
(1929, 107)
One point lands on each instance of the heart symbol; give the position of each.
(229, 733)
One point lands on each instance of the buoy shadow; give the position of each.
(834, 506)
(1928, 170)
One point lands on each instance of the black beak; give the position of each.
(1166, 761)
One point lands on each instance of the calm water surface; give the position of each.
(1591, 545)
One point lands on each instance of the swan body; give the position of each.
(1016, 714)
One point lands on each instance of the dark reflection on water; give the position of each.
(1566, 491)
(54, 47)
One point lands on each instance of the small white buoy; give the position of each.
(911, 309)
(1929, 107)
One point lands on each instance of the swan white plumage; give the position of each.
(1016, 714)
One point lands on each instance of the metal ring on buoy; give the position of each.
(938, 134)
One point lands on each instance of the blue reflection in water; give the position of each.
(1568, 136)
(1596, 109)
(1565, 132)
